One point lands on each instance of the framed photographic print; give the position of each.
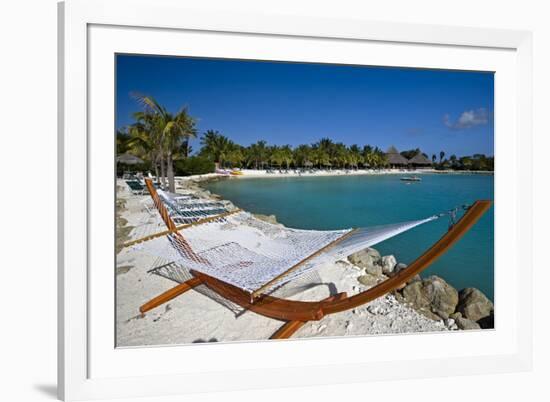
(241, 192)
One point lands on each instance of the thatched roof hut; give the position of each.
(395, 158)
(419, 160)
(129, 159)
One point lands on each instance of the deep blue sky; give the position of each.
(294, 103)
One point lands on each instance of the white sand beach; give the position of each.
(278, 173)
(252, 173)
(194, 317)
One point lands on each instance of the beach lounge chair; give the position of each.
(135, 187)
(189, 202)
(210, 253)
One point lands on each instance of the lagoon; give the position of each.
(337, 202)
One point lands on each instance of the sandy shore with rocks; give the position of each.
(423, 305)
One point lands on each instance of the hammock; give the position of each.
(250, 254)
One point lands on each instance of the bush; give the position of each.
(194, 165)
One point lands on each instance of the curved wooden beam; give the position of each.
(269, 306)
(293, 310)
(290, 327)
(465, 223)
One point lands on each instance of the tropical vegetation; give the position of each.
(476, 162)
(159, 136)
(161, 139)
(322, 154)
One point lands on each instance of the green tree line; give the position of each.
(161, 138)
(322, 154)
(476, 162)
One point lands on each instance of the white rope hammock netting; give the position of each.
(248, 253)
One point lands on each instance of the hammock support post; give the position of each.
(290, 327)
(170, 294)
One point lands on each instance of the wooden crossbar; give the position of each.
(293, 268)
(170, 294)
(179, 227)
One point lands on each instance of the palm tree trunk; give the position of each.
(170, 173)
(162, 172)
(155, 166)
(186, 148)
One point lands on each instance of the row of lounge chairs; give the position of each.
(184, 208)
(188, 208)
(137, 186)
(304, 171)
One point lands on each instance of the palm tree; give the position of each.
(178, 129)
(434, 158)
(465, 162)
(380, 158)
(145, 140)
(441, 156)
(366, 154)
(324, 151)
(302, 154)
(286, 155)
(216, 146)
(355, 157)
(258, 153)
(168, 132)
(374, 157)
(452, 158)
(340, 155)
(235, 155)
(122, 138)
(276, 156)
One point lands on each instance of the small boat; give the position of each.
(411, 178)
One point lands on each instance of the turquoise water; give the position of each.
(354, 201)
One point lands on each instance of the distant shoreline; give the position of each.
(250, 173)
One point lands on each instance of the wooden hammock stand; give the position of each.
(296, 313)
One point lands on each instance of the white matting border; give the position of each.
(91, 367)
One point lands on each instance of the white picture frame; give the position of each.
(89, 365)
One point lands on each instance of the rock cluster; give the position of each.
(433, 297)
(376, 268)
(474, 305)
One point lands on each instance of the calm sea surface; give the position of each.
(354, 201)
